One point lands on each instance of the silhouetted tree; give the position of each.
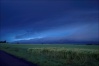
(3, 41)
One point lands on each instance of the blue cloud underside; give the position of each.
(49, 20)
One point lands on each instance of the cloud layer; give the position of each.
(65, 19)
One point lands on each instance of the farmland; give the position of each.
(55, 54)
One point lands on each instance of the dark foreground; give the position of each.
(9, 60)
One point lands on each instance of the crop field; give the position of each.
(55, 54)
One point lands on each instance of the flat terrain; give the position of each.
(55, 54)
(26, 46)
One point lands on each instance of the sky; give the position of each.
(49, 20)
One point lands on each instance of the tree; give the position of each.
(3, 41)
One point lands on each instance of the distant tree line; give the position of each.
(93, 44)
(3, 41)
(88, 44)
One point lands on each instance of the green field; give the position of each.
(56, 54)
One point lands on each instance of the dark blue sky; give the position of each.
(50, 20)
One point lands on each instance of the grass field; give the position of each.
(56, 54)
